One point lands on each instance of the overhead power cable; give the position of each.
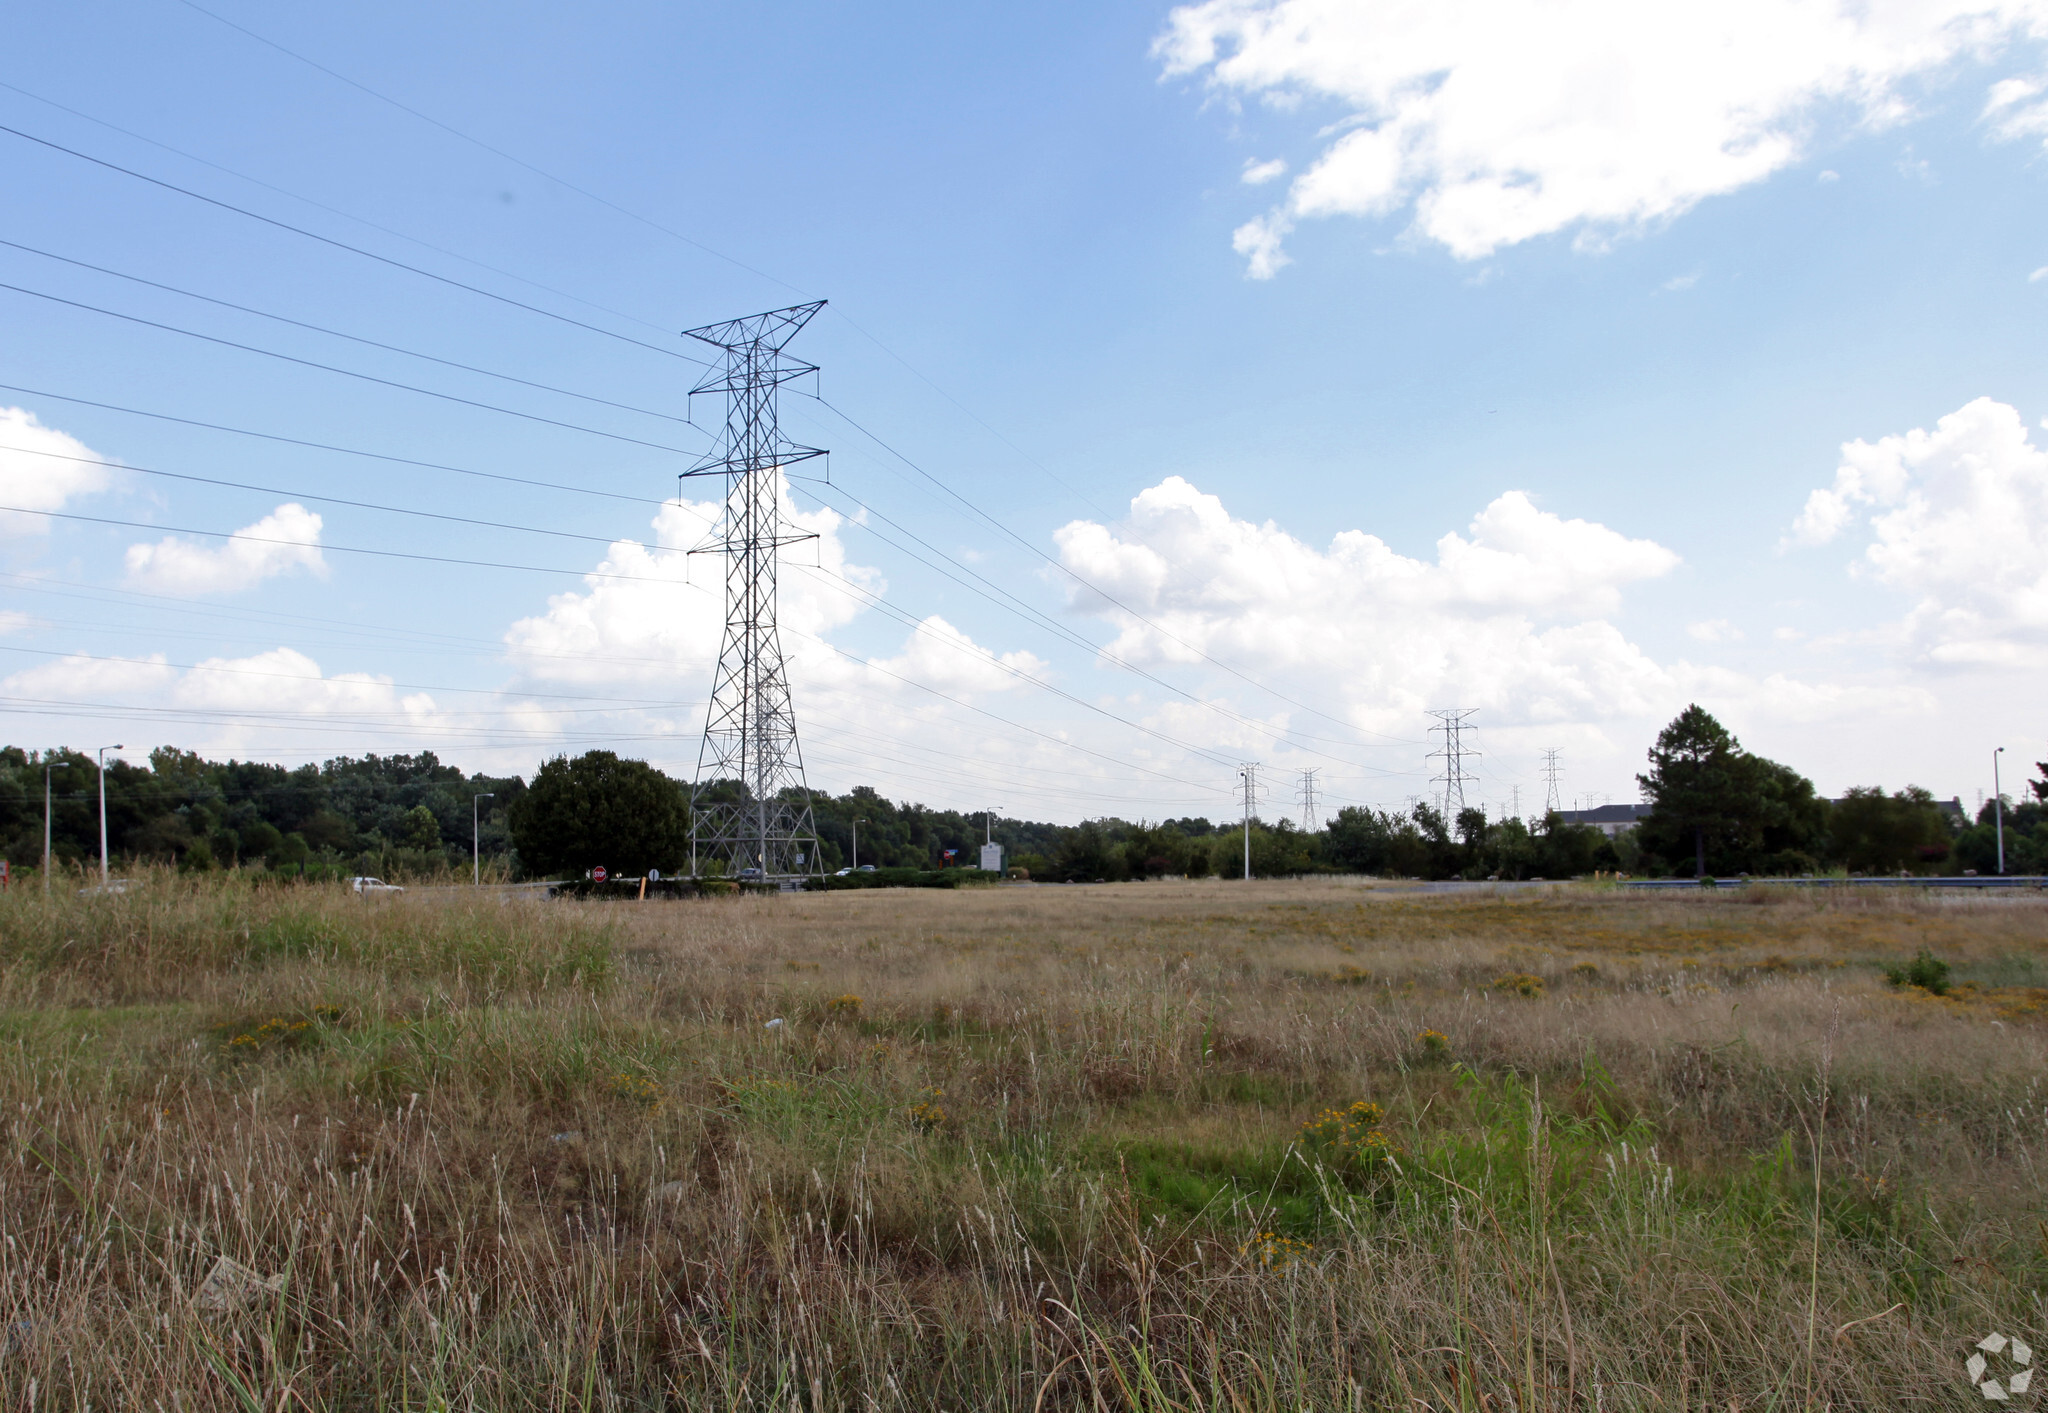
(344, 372)
(313, 496)
(337, 333)
(328, 446)
(1092, 587)
(352, 249)
(452, 131)
(334, 210)
(1002, 598)
(591, 574)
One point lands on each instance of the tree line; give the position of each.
(1715, 810)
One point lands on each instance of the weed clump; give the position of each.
(927, 1114)
(1519, 983)
(1276, 1252)
(1351, 1136)
(1927, 972)
(1433, 1042)
(843, 1007)
(636, 1089)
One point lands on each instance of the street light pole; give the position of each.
(856, 841)
(476, 857)
(1998, 808)
(103, 811)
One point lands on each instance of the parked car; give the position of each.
(867, 868)
(113, 886)
(842, 873)
(373, 885)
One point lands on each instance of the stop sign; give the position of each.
(598, 873)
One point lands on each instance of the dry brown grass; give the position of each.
(1015, 1148)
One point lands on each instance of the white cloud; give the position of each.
(1828, 176)
(1957, 517)
(286, 539)
(1679, 283)
(665, 612)
(2038, 276)
(1714, 630)
(1498, 121)
(939, 655)
(1505, 619)
(1257, 173)
(38, 472)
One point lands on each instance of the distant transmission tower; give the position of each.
(750, 809)
(1311, 813)
(1249, 773)
(1552, 773)
(1451, 722)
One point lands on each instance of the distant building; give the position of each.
(1608, 819)
(1953, 812)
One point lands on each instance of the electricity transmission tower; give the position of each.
(1451, 722)
(1249, 773)
(750, 810)
(1311, 814)
(1552, 773)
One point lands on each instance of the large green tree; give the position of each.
(1713, 800)
(599, 809)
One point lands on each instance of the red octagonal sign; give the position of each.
(598, 873)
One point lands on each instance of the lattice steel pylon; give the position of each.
(1451, 722)
(762, 827)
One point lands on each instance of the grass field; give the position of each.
(1310, 1145)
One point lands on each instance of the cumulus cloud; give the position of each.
(1956, 517)
(42, 468)
(1508, 616)
(663, 613)
(1499, 121)
(1714, 630)
(286, 539)
(1257, 173)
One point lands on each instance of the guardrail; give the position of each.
(2010, 880)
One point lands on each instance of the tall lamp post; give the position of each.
(476, 857)
(46, 826)
(856, 841)
(103, 811)
(1998, 809)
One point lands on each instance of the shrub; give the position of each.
(1520, 983)
(1350, 1135)
(1926, 971)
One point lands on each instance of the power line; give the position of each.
(328, 446)
(344, 372)
(310, 495)
(344, 245)
(339, 334)
(494, 151)
(333, 210)
(1552, 773)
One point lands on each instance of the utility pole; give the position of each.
(1515, 810)
(103, 812)
(989, 824)
(1311, 816)
(476, 855)
(856, 841)
(1249, 773)
(1552, 773)
(46, 826)
(1451, 722)
(1998, 808)
(750, 739)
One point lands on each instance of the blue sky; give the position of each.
(1511, 385)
